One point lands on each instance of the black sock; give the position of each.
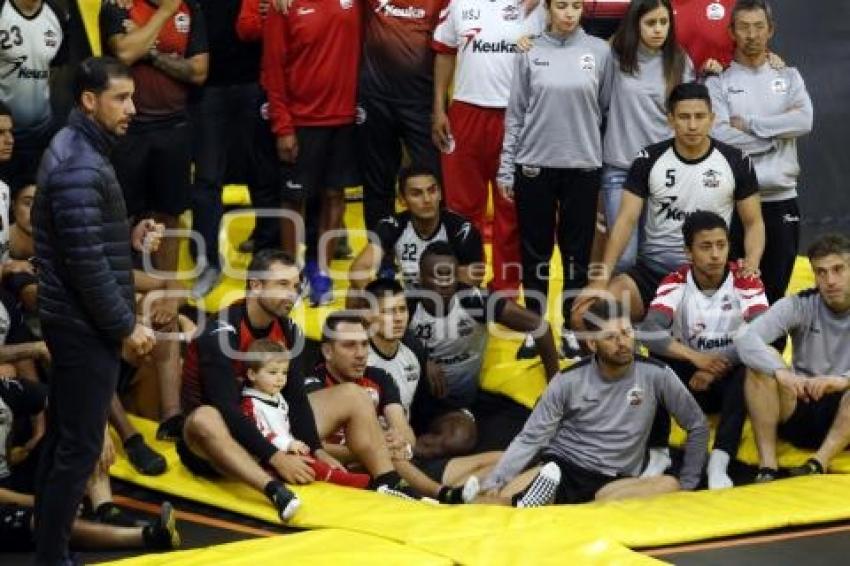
(389, 479)
(450, 495)
(272, 488)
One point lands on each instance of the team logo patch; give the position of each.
(587, 62)
(182, 22)
(346, 4)
(779, 86)
(711, 179)
(264, 111)
(359, 115)
(715, 11)
(635, 396)
(51, 38)
(510, 13)
(530, 172)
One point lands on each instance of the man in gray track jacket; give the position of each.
(762, 111)
(807, 404)
(591, 425)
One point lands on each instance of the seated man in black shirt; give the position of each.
(219, 439)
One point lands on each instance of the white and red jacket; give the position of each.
(271, 415)
(701, 320)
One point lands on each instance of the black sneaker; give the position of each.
(543, 488)
(144, 458)
(811, 468)
(400, 492)
(162, 534)
(343, 250)
(766, 475)
(170, 429)
(287, 503)
(111, 514)
(528, 350)
(570, 348)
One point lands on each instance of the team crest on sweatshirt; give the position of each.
(715, 11)
(635, 396)
(779, 85)
(346, 4)
(587, 62)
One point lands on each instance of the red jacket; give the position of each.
(311, 57)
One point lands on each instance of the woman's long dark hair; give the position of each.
(626, 42)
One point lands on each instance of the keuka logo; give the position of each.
(410, 12)
(481, 46)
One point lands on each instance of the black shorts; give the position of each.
(434, 468)
(810, 422)
(327, 159)
(194, 463)
(16, 533)
(646, 279)
(154, 167)
(578, 485)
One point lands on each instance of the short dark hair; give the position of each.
(20, 182)
(94, 74)
(602, 311)
(5, 110)
(749, 5)
(263, 260)
(268, 350)
(699, 221)
(335, 319)
(437, 248)
(829, 244)
(384, 287)
(411, 171)
(687, 91)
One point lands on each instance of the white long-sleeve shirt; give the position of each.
(271, 414)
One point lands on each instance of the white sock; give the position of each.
(659, 461)
(718, 462)
(471, 489)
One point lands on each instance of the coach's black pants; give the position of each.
(782, 242)
(382, 126)
(725, 396)
(83, 379)
(546, 200)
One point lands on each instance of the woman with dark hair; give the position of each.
(552, 152)
(649, 64)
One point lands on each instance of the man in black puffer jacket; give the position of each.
(86, 300)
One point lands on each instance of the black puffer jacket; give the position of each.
(82, 247)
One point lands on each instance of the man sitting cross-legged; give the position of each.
(345, 349)
(807, 404)
(690, 325)
(590, 427)
(219, 439)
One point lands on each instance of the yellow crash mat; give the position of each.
(324, 546)
(503, 535)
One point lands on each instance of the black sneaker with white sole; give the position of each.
(528, 350)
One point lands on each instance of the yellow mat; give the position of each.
(501, 535)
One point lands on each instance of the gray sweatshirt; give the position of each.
(637, 116)
(777, 110)
(820, 337)
(559, 95)
(603, 425)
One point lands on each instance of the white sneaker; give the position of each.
(471, 489)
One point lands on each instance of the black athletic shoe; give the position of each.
(528, 350)
(144, 458)
(811, 468)
(162, 534)
(287, 503)
(766, 475)
(343, 250)
(170, 429)
(543, 488)
(111, 514)
(570, 348)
